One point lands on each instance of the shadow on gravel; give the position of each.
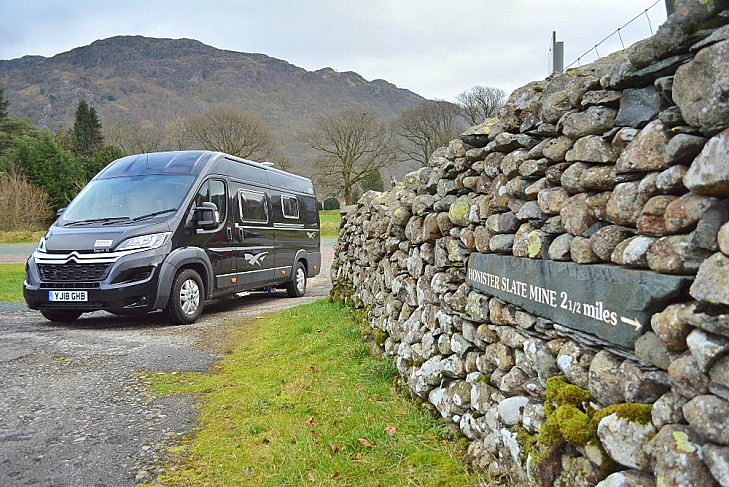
(156, 319)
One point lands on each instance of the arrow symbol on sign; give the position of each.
(631, 322)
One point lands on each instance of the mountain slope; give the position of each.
(135, 79)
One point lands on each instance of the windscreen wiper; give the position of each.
(105, 220)
(154, 213)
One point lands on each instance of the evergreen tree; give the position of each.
(87, 130)
(3, 105)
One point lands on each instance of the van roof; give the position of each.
(194, 162)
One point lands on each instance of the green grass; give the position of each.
(329, 223)
(25, 236)
(11, 282)
(300, 401)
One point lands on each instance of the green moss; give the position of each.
(632, 411)
(526, 441)
(573, 425)
(486, 379)
(380, 337)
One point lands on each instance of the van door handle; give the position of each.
(229, 231)
(241, 234)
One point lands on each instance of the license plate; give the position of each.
(68, 296)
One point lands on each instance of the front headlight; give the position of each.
(144, 241)
(42, 244)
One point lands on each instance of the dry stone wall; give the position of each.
(623, 163)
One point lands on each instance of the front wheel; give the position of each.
(60, 316)
(186, 299)
(297, 287)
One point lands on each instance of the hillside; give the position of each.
(134, 79)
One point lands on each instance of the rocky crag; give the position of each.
(622, 163)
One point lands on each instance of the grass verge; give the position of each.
(328, 223)
(300, 401)
(24, 236)
(11, 282)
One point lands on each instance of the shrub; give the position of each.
(331, 204)
(23, 206)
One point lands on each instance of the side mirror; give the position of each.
(206, 216)
(60, 212)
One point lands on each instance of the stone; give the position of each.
(626, 203)
(556, 149)
(671, 327)
(623, 137)
(554, 173)
(638, 106)
(570, 362)
(482, 238)
(683, 149)
(624, 440)
(521, 240)
(719, 372)
(598, 178)
(572, 177)
(596, 120)
(676, 455)
(646, 152)
(632, 252)
(670, 181)
(651, 349)
(652, 219)
(706, 348)
(552, 200)
(478, 135)
(628, 478)
(510, 409)
(706, 235)
(709, 172)
(559, 250)
(717, 459)
(575, 215)
(643, 386)
(686, 378)
(683, 214)
(608, 98)
(668, 409)
(673, 255)
(597, 205)
(604, 241)
(671, 117)
(581, 251)
(534, 168)
(722, 239)
(511, 162)
(592, 148)
(712, 280)
(699, 88)
(708, 415)
(604, 378)
(502, 243)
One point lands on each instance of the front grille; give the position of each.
(73, 272)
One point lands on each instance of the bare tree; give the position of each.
(481, 102)
(353, 145)
(426, 127)
(23, 206)
(231, 130)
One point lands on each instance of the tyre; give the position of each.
(186, 298)
(60, 315)
(297, 287)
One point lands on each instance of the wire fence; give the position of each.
(616, 32)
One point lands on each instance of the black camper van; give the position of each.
(169, 230)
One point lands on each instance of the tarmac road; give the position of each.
(73, 409)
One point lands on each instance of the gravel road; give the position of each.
(73, 405)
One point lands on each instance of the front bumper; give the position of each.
(121, 283)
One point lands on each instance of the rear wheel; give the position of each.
(60, 315)
(297, 287)
(186, 299)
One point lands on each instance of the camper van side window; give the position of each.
(213, 191)
(290, 207)
(253, 207)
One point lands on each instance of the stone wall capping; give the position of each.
(618, 166)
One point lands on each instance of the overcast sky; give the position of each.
(436, 48)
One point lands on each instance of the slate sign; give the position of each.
(611, 302)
